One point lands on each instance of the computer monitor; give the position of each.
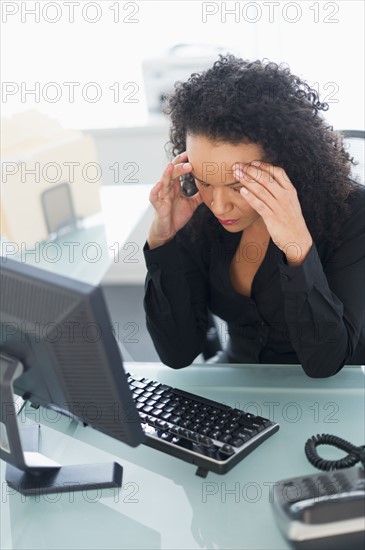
(58, 349)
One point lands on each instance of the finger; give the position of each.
(170, 178)
(276, 173)
(166, 178)
(256, 202)
(180, 170)
(180, 158)
(170, 173)
(155, 191)
(259, 182)
(182, 165)
(173, 171)
(162, 187)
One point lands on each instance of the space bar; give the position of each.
(200, 399)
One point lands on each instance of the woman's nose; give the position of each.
(221, 203)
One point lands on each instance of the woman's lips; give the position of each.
(227, 222)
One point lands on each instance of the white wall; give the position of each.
(322, 42)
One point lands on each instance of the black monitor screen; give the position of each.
(61, 332)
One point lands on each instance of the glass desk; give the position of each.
(162, 503)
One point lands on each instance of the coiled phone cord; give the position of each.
(355, 454)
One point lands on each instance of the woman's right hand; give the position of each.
(172, 209)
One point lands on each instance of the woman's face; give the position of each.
(212, 170)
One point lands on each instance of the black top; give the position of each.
(312, 314)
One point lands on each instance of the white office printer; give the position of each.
(179, 63)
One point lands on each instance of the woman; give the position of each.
(271, 237)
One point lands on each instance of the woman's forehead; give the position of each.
(217, 158)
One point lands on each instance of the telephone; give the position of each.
(324, 510)
(188, 185)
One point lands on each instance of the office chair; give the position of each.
(354, 141)
(58, 209)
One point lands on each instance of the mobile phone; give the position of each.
(188, 186)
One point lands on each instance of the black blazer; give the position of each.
(312, 314)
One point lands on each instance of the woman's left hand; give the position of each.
(269, 191)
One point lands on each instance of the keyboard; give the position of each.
(209, 434)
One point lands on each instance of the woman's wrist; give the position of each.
(154, 239)
(296, 253)
(154, 243)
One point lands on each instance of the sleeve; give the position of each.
(175, 303)
(325, 307)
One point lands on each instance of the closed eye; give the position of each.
(198, 182)
(206, 185)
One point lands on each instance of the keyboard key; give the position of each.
(141, 399)
(164, 400)
(237, 442)
(184, 423)
(264, 421)
(161, 423)
(248, 430)
(225, 438)
(233, 426)
(195, 427)
(195, 437)
(137, 384)
(155, 397)
(151, 420)
(227, 450)
(240, 434)
(175, 430)
(206, 441)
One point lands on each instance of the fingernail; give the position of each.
(244, 190)
(255, 163)
(187, 166)
(238, 173)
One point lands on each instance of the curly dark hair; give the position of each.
(262, 102)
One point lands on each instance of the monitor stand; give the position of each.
(28, 471)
